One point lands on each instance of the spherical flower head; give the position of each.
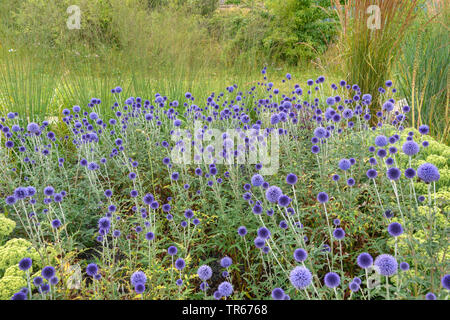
(273, 194)
(445, 281)
(404, 266)
(138, 277)
(430, 296)
(372, 173)
(353, 286)
(364, 260)
(19, 296)
(428, 173)
(300, 255)
(393, 173)
(217, 295)
(33, 127)
(386, 265)
(204, 272)
(410, 173)
(424, 129)
(284, 201)
(264, 233)
(410, 148)
(300, 277)
(56, 223)
(225, 289)
(25, 264)
(257, 180)
(139, 288)
(225, 262)
(320, 132)
(339, 233)
(259, 242)
(91, 269)
(395, 229)
(172, 250)
(48, 272)
(357, 280)
(332, 280)
(381, 141)
(149, 236)
(291, 179)
(278, 294)
(104, 223)
(37, 281)
(180, 264)
(315, 149)
(242, 231)
(322, 197)
(344, 164)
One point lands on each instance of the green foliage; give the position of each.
(10, 285)
(422, 71)
(300, 30)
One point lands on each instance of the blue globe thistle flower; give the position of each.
(284, 201)
(257, 180)
(25, 264)
(339, 233)
(388, 106)
(351, 182)
(404, 266)
(172, 250)
(322, 197)
(180, 264)
(300, 255)
(273, 194)
(20, 193)
(315, 149)
(56, 223)
(393, 173)
(138, 277)
(19, 296)
(291, 179)
(139, 288)
(445, 281)
(54, 281)
(410, 148)
(204, 272)
(428, 173)
(242, 231)
(353, 286)
(336, 222)
(217, 295)
(225, 262)
(104, 223)
(149, 236)
(257, 209)
(33, 127)
(430, 296)
(381, 141)
(395, 229)
(259, 242)
(386, 265)
(48, 272)
(300, 277)
(424, 129)
(278, 294)
(91, 269)
(332, 280)
(357, 280)
(336, 177)
(320, 132)
(44, 288)
(225, 289)
(264, 233)
(372, 173)
(364, 260)
(11, 200)
(37, 281)
(189, 214)
(344, 164)
(410, 173)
